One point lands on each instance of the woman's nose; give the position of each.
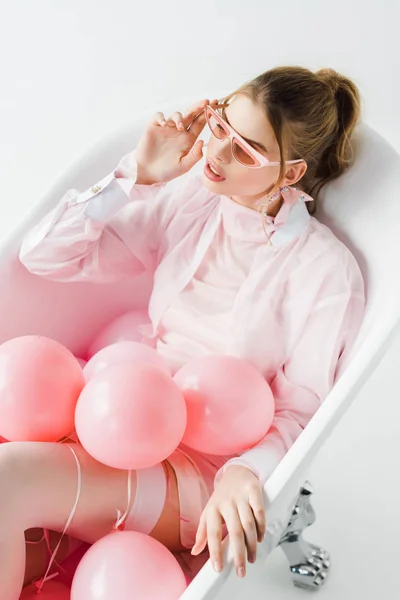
(224, 153)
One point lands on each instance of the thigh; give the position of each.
(45, 480)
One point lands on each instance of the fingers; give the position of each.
(158, 119)
(236, 538)
(214, 537)
(197, 125)
(182, 122)
(256, 501)
(193, 156)
(195, 118)
(201, 536)
(195, 110)
(250, 530)
(175, 120)
(246, 525)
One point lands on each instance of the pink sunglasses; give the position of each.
(241, 150)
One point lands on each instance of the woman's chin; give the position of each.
(215, 186)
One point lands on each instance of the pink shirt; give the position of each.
(292, 309)
(198, 320)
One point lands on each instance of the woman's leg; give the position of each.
(38, 489)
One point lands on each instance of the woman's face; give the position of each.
(243, 184)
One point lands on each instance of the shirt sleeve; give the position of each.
(305, 379)
(109, 232)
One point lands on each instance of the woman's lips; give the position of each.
(209, 173)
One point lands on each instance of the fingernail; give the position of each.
(217, 566)
(181, 126)
(241, 572)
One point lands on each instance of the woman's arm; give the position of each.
(106, 233)
(299, 387)
(305, 379)
(114, 229)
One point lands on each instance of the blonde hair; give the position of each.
(313, 116)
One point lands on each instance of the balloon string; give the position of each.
(33, 543)
(39, 584)
(45, 537)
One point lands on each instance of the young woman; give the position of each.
(240, 267)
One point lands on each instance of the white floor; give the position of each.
(72, 71)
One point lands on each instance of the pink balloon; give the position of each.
(130, 416)
(40, 384)
(123, 353)
(51, 590)
(121, 329)
(126, 565)
(230, 406)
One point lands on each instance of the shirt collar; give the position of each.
(245, 224)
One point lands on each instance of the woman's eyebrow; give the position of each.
(253, 142)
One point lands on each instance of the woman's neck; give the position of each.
(272, 209)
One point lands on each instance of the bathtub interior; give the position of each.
(72, 313)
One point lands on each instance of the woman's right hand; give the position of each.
(168, 147)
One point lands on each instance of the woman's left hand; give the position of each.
(238, 502)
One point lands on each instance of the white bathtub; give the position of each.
(362, 207)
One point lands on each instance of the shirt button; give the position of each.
(96, 188)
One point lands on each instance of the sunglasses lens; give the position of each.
(217, 127)
(242, 155)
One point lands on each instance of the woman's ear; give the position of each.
(295, 173)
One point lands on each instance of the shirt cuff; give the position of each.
(107, 202)
(114, 191)
(258, 461)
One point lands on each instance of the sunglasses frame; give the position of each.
(260, 159)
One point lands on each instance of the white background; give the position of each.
(72, 70)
